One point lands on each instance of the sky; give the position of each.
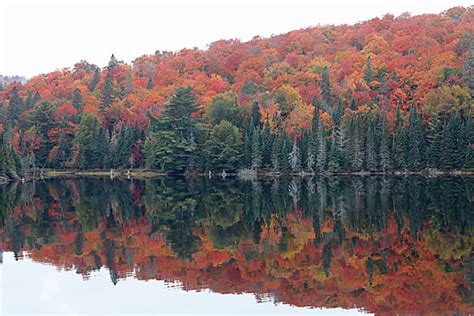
(42, 36)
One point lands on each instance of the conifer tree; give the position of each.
(294, 157)
(368, 75)
(77, 101)
(325, 90)
(150, 85)
(256, 150)
(95, 79)
(371, 160)
(322, 156)
(385, 159)
(399, 143)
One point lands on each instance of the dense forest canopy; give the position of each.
(391, 93)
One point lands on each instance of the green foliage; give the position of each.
(224, 147)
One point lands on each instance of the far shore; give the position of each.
(261, 174)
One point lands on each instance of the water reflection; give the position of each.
(400, 245)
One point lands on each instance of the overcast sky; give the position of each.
(42, 36)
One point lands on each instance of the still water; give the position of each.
(314, 246)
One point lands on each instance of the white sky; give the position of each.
(41, 36)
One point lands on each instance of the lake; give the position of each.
(331, 246)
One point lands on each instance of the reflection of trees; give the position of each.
(288, 229)
(171, 210)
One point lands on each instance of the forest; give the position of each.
(392, 94)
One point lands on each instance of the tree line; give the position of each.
(229, 137)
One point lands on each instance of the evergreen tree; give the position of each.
(150, 85)
(95, 80)
(436, 134)
(85, 140)
(358, 158)
(368, 75)
(353, 105)
(322, 155)
(414, 160)
(256, 150)
(294, 157)
(325, 90)
(223, 147)
(170, 142)
(266, 140)
(255, 115)
(276, 151)
(15, 105)
(107, 93)
(372, 159)
(454, 149)
(77, 101)
(385, 159)
(399, 143)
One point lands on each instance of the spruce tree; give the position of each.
(266, 140)
(95, 80)
(107, 93)
(399, 143)
(385, 159)
(150, 85)
(325, 90)
(276, 152)
(372, 159)
(15, 105)
(256, 150)
(294, 158)
(322, 156)
(77, 101)
(454, 151)
(368, 75)
(414, 160)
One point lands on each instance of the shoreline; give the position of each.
(145, 174)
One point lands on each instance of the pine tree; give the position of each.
(276, 152)
(256, 150)
(112, 63)
(294, 157)
(107, 93)
(95, 80)
(285, 151)
(368, 75)
(325, 90)
(436, 134)
(77, 101)
(372, 158)
(414, 160)
(266, 140)
(358, 159)
(322, 156)
(353, 105)
(385, 159)
(223, 147)
(399, 143)
(255, 115)
(150, 85)
(15, 105)
(454, 152)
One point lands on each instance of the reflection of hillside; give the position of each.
(383, 246)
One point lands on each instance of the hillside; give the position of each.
(362, 79)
